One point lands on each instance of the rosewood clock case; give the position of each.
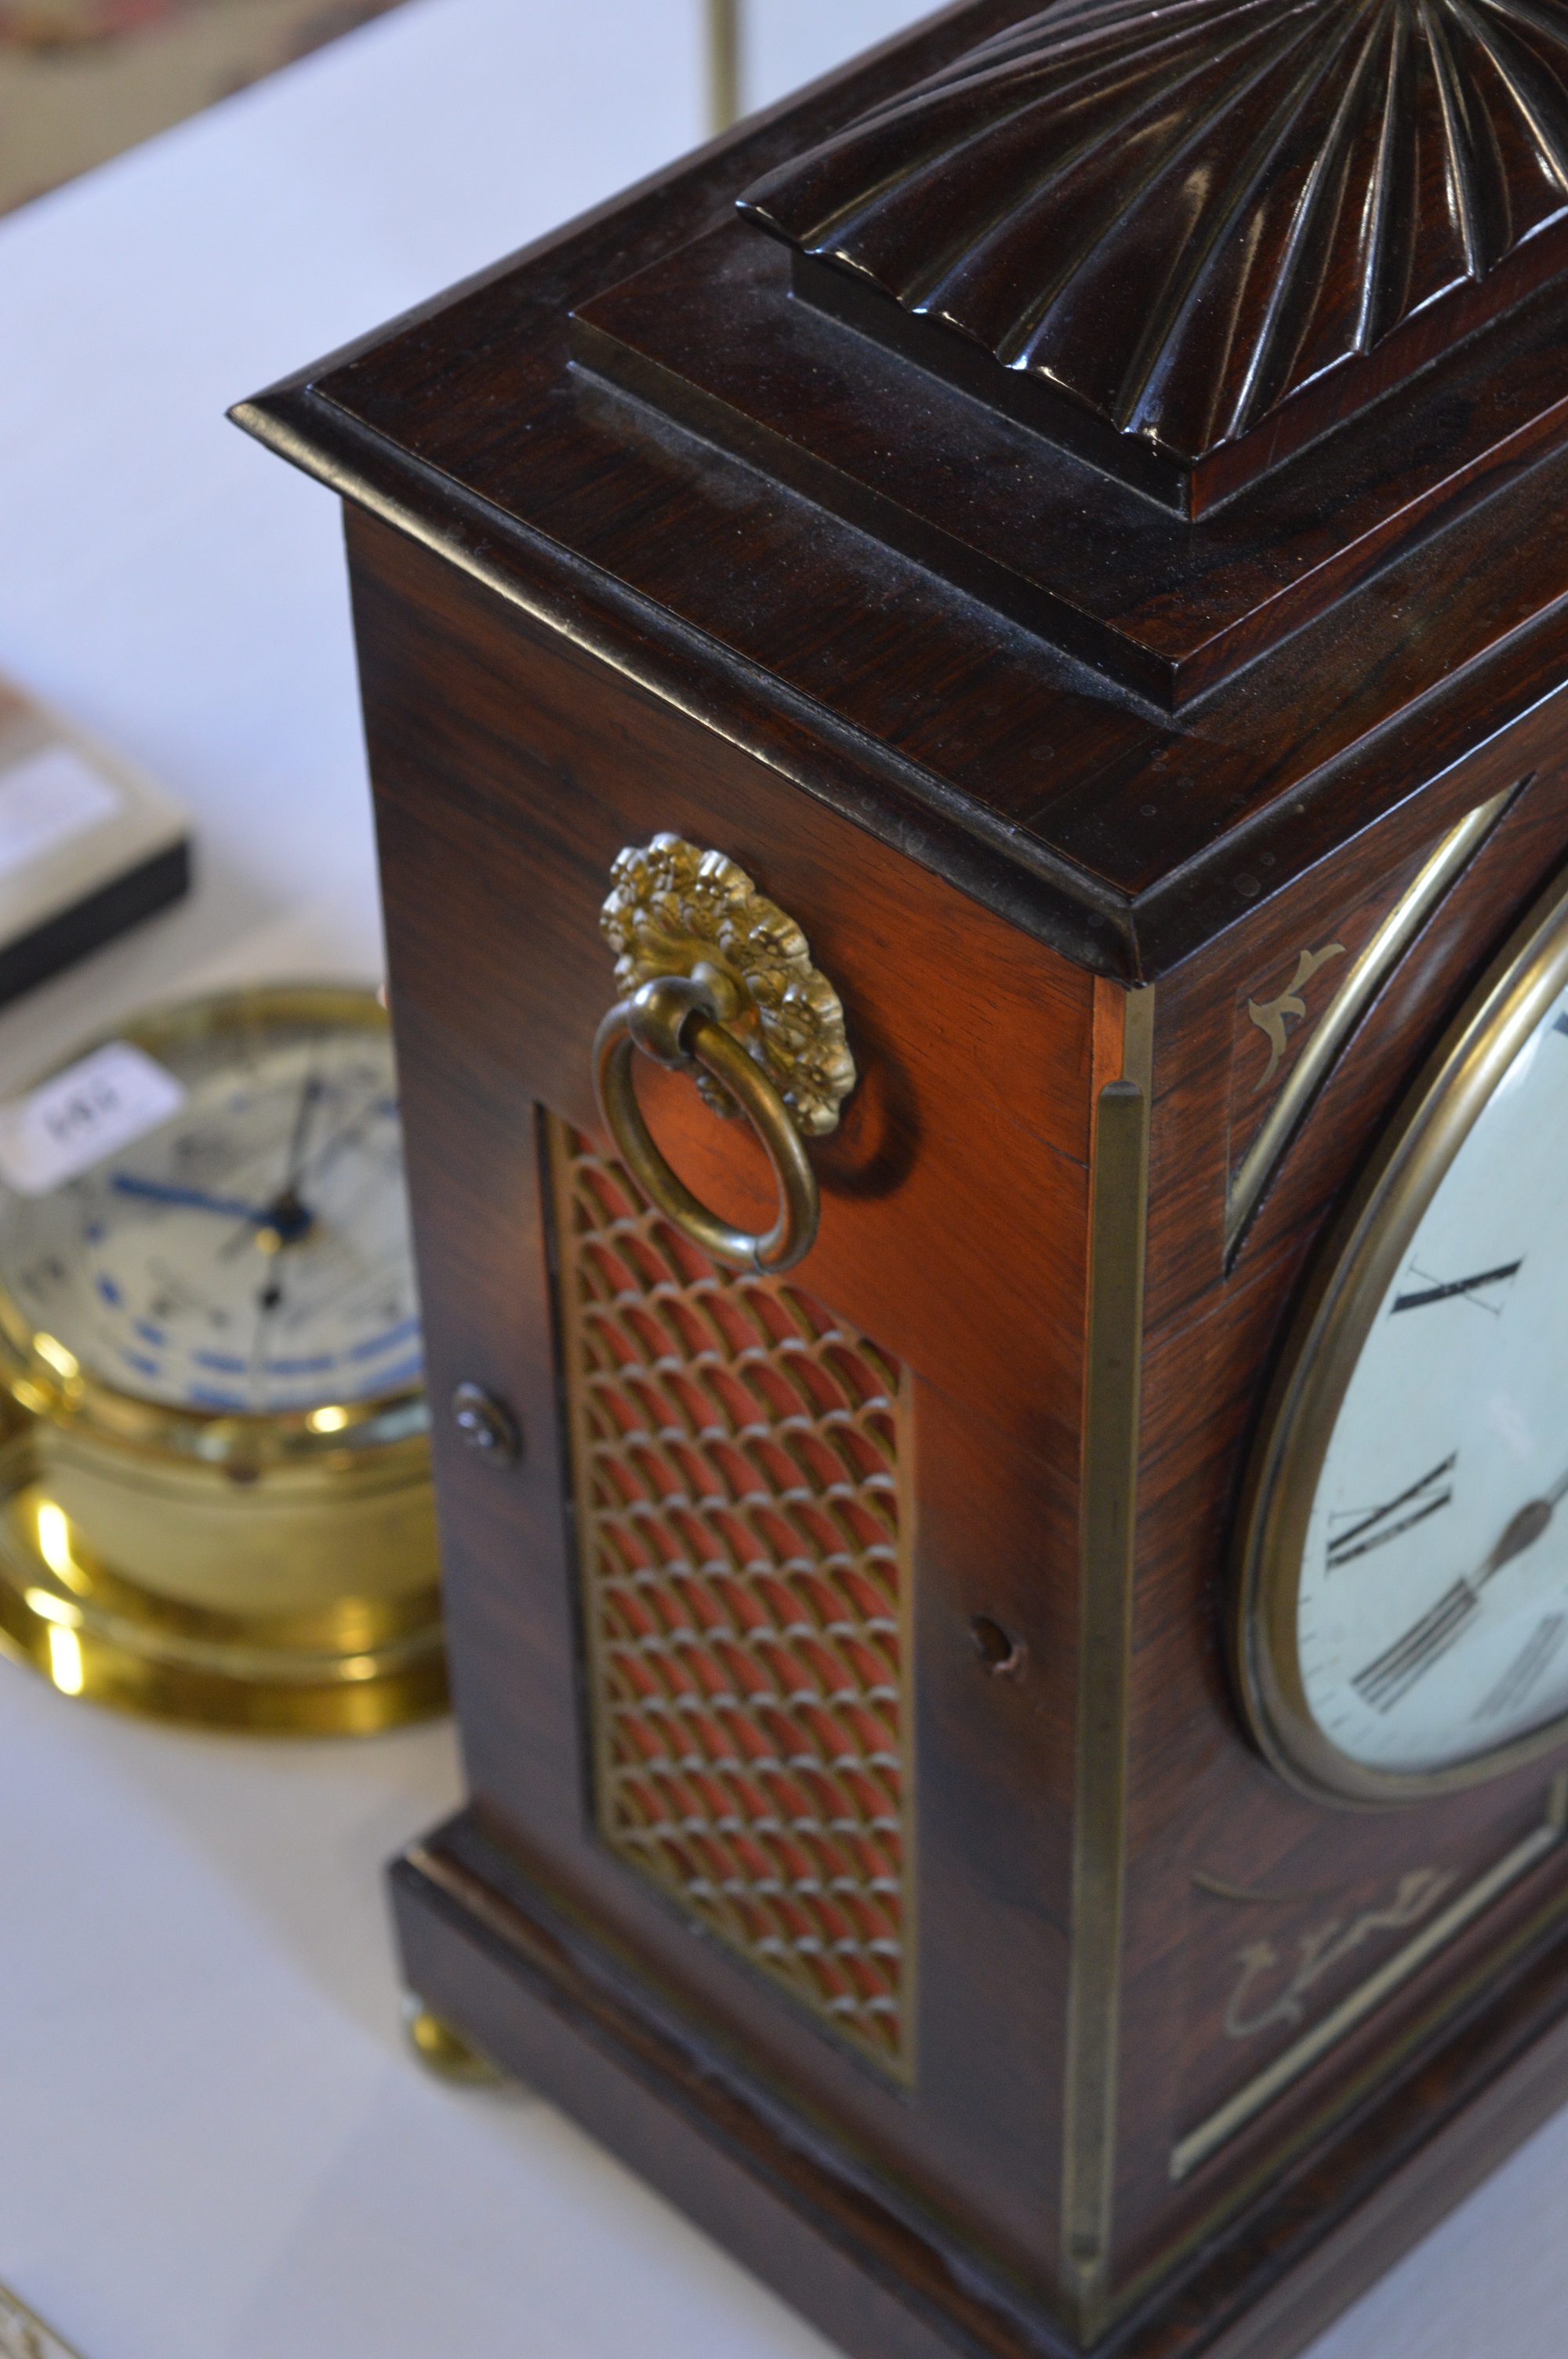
(1116, 611)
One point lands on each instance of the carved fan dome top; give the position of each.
(1180, 217)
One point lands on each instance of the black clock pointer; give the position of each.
(288, 1218)
(286, 1221)
(282, 1222)
(269, 1301)
(159, 1192)
(309, 1094)
(348, 1135)
(1395, 1672)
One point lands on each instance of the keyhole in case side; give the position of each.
(1001, 1654)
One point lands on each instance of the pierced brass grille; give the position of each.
(741, 1539)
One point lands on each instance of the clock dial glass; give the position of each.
(252, 1253)
(1432, 1610)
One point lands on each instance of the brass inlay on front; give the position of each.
(740, 1467)
(1273, 1989)
(1274, 1015)
(1358, 986)
(1434, 1934)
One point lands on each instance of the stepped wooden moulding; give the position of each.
(1008, 619)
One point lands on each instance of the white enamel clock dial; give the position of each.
(250, 1254)
(1404, 1617)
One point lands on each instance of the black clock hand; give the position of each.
(349, 1135)
(1395, 1672)
(309, 1095)
(1522, 1532)
(288, 1219)
(286, 1215)
(165, 1192)
(269, 1301)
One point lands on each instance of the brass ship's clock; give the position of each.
(214, 1475)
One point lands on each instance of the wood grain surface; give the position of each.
(1207, 237)
(1072, 805)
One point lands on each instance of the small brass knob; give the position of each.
(443, 2050)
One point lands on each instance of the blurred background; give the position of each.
(82, 80)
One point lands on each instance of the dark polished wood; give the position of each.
(709, 337)
(493, 1957)
(640, 540)
(1188, 242)
(509, 771)
(1085, 817)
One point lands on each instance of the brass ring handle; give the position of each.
(674, 1019)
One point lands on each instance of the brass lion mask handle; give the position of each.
(718, 981)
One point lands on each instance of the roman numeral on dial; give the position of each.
(1458, 1286)
(1397, 1670)
(1526, 1670)
(1370, 1530)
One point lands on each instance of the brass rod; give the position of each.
(723, 62)
(1118, 1216)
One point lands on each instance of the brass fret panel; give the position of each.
(740, 1463)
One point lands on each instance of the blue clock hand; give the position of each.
(162, 1192)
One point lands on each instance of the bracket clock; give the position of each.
(966, 695)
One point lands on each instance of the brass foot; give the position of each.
(443, 2050)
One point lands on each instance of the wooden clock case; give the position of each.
(1155, 737)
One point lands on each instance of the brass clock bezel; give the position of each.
(1358, 1263)
(353, 1643)
(47, 1385)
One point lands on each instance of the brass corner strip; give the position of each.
(723, 63)
(1118, 1204)
(1224, 2122)
(1339, 1019)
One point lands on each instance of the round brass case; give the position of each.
(1359, 1259)
(273, 1572)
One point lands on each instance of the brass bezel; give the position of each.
(352, 1642)
(219, 1437)
(1356, 1265)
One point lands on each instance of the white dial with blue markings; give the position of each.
(251, 1253)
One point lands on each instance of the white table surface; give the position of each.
(212, 2145)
